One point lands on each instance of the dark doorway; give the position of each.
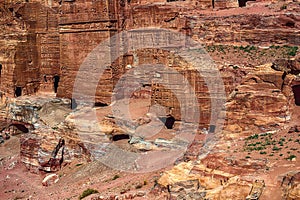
(242, 3)
(18, 91)
(120, 137)
(20, 127)
(212, 128)
(0, 69)
(168, 121)
(100, 104)
(296, 91)
(55, 83)
(73, 104)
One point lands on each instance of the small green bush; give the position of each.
(235, 67)
(268, 142)
(291, 157)
(276, 148)
(274, 47)
(247, 48)
(115, 177)
(251, 137)
(291, 51)
(88, 192)
(283, 7)
(280, 143)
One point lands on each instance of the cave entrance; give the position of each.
(15, 129)
(100, 104)
(21, 127)
(0, 69)
(168, 121)
(73, 104)
(55, 83)
(18, 91)
(120, 137)
(242, 3)
(212, 128)
(296, 91)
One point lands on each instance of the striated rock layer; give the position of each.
(44, 43)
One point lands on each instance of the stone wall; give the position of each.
(199, 4)
(52, 38)
(82, 26)
(47, 41)
(13, 32)
(33, 47)
(252, 29)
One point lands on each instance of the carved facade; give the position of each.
(43, 43)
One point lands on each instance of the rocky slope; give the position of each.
(254, 49)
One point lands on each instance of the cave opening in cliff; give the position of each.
(168, 121)
(18, 91)
(0, 69)
(100, 104)
(212, 128)
(73, 104)
(242, 3)
(296, 91)
(55, 83)
(20, 127)
(120, 137)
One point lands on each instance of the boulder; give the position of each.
(50, 180)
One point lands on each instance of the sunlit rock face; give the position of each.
(262, 102)
(30, 47)
(44, 43)
(199, 181)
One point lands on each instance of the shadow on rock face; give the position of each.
(296, 90)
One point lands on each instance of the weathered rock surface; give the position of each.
(263, 101)
(204, 182)
(290, 184)
(43, 144)
(50, 41)
(50, 179)
(29, 47)
(192, 190)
